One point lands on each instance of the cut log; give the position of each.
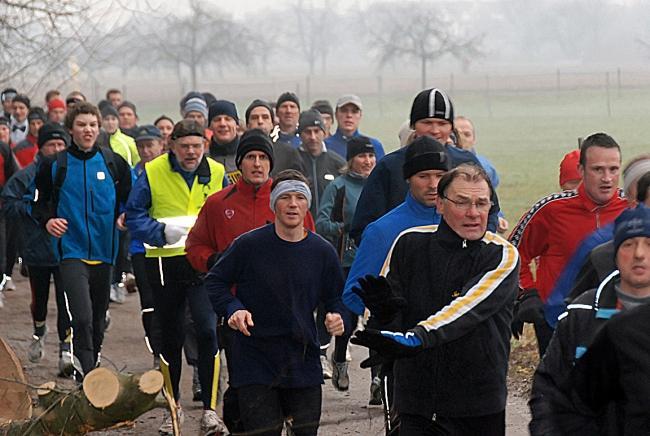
(15, 402)
(102, 387)
(107, 400)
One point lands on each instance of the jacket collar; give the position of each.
(450, 239)
(202, 171)
(250, 190)
(75, 151)
(226, 149)
(339, 134)
(591, 205)
(606, 299)
(418, 209)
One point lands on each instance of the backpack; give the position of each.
(62, 168)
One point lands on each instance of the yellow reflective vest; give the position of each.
(172, 198)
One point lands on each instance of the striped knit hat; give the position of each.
(432, 103)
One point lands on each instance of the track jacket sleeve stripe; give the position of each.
(480, 291)
(420, 229)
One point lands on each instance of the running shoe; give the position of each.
(36, 349)
(340, 378)
(211, 424)
(9, 284)
(375, 392)
(327, 368)
(167, 427)
(118, 293)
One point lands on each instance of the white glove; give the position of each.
(173, 233)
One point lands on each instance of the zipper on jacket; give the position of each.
(86, 212)
(314, 169)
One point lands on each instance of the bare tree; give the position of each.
(206, 37)
(34, 33)
(408, 31)
(315, 31)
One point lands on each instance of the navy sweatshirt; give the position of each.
(280, 283)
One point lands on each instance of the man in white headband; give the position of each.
(281, 272)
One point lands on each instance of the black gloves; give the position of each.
(391, 345)
(378, 297)
(528, 308)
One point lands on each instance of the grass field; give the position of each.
(524, 134)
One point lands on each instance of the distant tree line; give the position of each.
(50, 40)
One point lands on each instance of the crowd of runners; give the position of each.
(262, 246)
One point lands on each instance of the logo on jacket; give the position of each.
(455, 294)
(229, 213)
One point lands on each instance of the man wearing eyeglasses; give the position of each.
(161, 209)
(445, 298)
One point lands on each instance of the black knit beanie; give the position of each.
(432, 103)
(288, 96)
(108, 110)
(324, 107)
(51, 131)
(254, 139)
(310, 118)
(223, 107)
(425, 153)
(359, 144)
(258, 103)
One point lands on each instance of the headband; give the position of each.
(634, 172)
(290, 186)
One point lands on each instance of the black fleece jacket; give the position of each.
(460, 296)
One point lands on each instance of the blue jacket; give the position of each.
(136, 246)
(338, 143)
(377, 240)
(89, 199)
(489, 168)
(386, 188)
(293, 140)
(556, 302)
(17, 201)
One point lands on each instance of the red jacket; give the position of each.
(26, 150)
(552, 230)
(226, 215)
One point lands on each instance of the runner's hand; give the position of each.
(56, 226)
(121, 222)
(173, 234)
(241, 320)
(334, 324)
(379, 298)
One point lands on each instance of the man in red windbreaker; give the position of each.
(238, 208)
(554, 227)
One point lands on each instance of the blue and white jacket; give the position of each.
(89, 199)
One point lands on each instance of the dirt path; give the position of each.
(124, 349)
